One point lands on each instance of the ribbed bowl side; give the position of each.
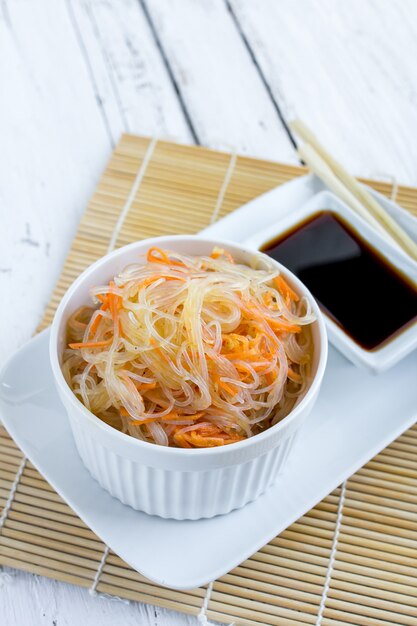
(179, 494)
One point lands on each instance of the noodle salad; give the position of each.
(191, 351)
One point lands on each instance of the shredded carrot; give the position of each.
(204, 442)
(271, 376)
(180, 440)
(284, 289)
(294, 375)
(227, 387)
(96, 323)
(114, 301)
(284, 326)
(246, 372)
(90, 344)
(218, 252)
(162, 258)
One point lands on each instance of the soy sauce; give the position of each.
(362, 292)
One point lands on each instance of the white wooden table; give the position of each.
(75, 74)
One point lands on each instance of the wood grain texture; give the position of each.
(222, 90)
(51, 155)
(71, 91)
(348, 70)
(47, 602)
(132, 82)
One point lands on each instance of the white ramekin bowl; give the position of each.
(173, 482)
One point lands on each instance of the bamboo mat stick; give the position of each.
(319, 166)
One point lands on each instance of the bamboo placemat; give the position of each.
(350, 560)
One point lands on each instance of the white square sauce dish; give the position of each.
(329, 255)
(172, 482)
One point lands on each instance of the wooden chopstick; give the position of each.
(349, 189)
(317, 165)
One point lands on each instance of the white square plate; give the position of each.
(356, 415)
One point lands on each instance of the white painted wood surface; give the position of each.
(221, 87)
(349, 70)
(74, 74)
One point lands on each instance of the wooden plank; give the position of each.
(219, 83)
(132, 81)
(348, 70)
(74, 76)
(50, 151)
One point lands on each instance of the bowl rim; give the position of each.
(217, 451)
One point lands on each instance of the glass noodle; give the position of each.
(191, 351)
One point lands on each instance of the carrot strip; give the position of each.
(95, 325)
(283, 326)
(294, 375)
(217, 252)
(114, 301)
(271, 376)
(162, 258)
(284, 288)
(181, 441)
(205, 442)
(90, 344)
(202, 441)
(227, 387)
